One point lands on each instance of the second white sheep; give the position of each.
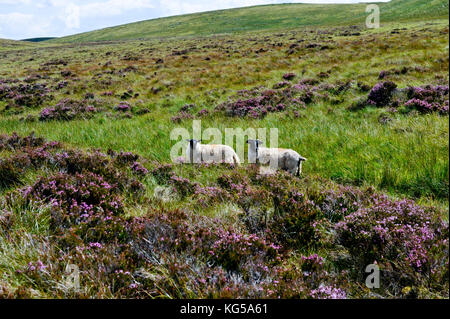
(278, 158)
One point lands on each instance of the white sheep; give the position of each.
(210, 153)
(285, 159)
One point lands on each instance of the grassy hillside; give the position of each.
(87, 178)
(269, 17)
(6, 45)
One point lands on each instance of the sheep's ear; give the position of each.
(260, 142)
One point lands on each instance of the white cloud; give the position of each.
(21, 25)
(14, 18)
(15, 2)
(72, 16)
(114, 7)
(182, 7)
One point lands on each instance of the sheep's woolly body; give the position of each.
(212, 153)
(285, 159)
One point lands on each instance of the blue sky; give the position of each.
(20, 19)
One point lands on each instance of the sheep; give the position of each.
(285, 159)
(210, 153)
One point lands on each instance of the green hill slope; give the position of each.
(6, 45)
(283, 16)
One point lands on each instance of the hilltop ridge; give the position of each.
(265, 17)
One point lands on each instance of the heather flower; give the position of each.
(139, 169)
(182, 115)
(67, 109)
(421, 106)
(328, 292)
(428, 99)
(36, 266)
(280, 85)
(259, 102)
(123, 107)
(25, 95)
(203, 112)
(83, 202)
(187, 107)
(381, 93)
(95, 245)
(392, 231)
(60, 85)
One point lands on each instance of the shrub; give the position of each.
(203, 112)
(210, 195)
(257, 103)
(183, 186)
(29, 151)
(162, 173)
(123, 158)
(429, 93)
(67, 109)
(139, 169)
(25, 95)
(401, 237)
(383, 74)
(73, 162)
(328, 292)
(205, 257)
(182, 115)
(10, 173)
(292, 223)
(17, 142)
(422, 106)
(381, 93)
(85, 203)
(280, 85)
(234, 250)
(336, 203)
(243, 193)
(428, 99)
(252, 254)
(289, 76)
(123, 107)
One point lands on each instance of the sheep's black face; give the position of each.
(193, 143)
(254, 143)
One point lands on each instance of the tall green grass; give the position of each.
(408, 156)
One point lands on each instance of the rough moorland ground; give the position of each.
(368, 108)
